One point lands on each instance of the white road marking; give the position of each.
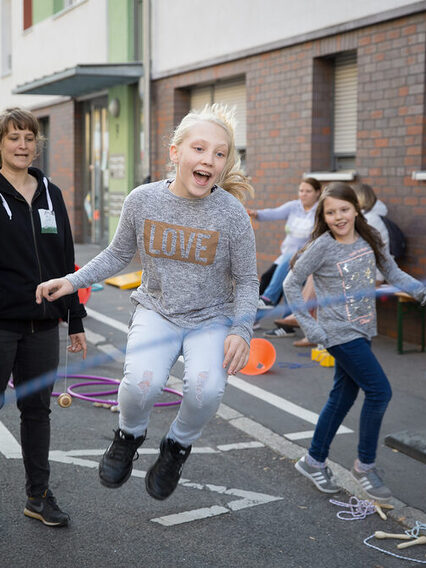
(189, 516)
(279, 402)
(141, 451)
(247, 499)
(107, 320)
(98, 340)
(300, 435)
(11, 449)
(112, 352)
(9, 446)
(239, 446)
(93, 337)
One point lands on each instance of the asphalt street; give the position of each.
(240, 503)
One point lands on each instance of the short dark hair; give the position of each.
(22, 120)
(313, 182)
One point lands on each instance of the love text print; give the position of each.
(187, 244)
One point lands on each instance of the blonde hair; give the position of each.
(366, 196)
(232, 178)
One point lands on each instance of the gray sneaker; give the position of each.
(371, 482)
(265, 304)
(321, 477)
(283, 331)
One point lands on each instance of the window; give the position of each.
(345, 111)
(59, 5)
(6, 37)
(229, 93)
(334, 112)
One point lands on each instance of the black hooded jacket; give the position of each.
(28, 257)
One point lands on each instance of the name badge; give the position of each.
(48, 221)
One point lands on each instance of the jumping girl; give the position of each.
(342, 255)
(198, 295)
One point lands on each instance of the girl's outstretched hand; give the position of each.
(53, 289)
(236, 353)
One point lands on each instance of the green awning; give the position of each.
(83, 80)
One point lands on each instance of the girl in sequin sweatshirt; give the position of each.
(342, 255)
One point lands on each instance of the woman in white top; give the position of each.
(299, 215)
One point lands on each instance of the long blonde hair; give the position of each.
(232, 178)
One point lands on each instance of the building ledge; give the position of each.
(419, 176)
(343, 175)
(83, 79)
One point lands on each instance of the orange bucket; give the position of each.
(83, 293)
(262, 357)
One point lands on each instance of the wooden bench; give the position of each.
(408, 305)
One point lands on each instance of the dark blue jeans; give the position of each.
(26, 356)
(356, 368)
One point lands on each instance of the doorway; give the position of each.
(96, 203)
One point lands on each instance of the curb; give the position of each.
(402, 513)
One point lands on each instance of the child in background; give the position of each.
(198, 295)
(373, 210)
(342, 255)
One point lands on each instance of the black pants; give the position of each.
(26, 356)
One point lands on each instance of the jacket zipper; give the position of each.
(38, 258)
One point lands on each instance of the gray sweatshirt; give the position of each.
(198, 257)
(344, 277)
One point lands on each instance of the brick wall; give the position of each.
(65, 158)
(391, 60)
(288, 126)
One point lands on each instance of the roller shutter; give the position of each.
(232, 94)
(345, 104)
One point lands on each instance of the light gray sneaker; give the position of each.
(321, 477)
(371, 482)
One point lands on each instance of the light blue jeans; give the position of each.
(275, 287)
(154, 344)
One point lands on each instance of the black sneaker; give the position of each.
(46, 510)
(116, 464)
(162, 478)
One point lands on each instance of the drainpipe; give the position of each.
(145, 88)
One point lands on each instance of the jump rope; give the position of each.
(357, 509)
(74, 371)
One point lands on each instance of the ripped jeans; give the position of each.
(154, 345)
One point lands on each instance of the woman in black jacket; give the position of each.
(36, 245)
